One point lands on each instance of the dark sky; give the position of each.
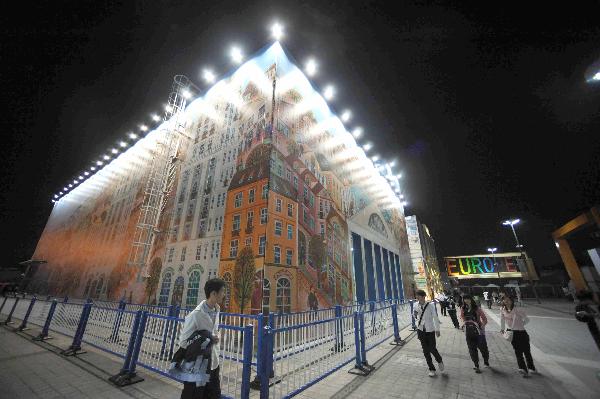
(486, 111)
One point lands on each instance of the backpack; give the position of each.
(472, 329)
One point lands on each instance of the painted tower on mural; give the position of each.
(269, 191)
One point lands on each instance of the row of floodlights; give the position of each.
(237, 56)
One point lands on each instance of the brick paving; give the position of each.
(567, 365)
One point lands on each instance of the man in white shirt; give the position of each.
(488, 299)
(205, 317)
(428, 328)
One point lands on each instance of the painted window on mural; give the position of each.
(284, 295)
(227, 299)
(192, 290)
(165, 289)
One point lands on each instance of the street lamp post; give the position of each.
(512, 224)
(493, 250)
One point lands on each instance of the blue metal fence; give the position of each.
(287, 352)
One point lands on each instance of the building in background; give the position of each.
(424, 259)
(261, 164)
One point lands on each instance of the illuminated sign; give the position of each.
(484, 266)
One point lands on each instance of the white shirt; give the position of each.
(486, 295)
(200, 319)
(430, 321)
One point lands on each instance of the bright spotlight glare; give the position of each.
(75, 181)
(55, 196)
(367, 147)
(123, 144)
(86, 173)
(66, 189)
(236, 55)
(208, 76)
(132, 136)
(143, 128)
(392, 164)
(70, 185)
(357, 132)
(80, 177)
(114, 151)
(93, 168)
(404, 203)
(168, 108)
(328, 93)
(311, 67)
(277, 31)
(596, 77)
(346, 115)
(375, 158)
(399, 176)
(155, 118)
(99, 163)
(186, 94)
(106, 157)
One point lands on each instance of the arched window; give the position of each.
(177, 291)
(266, 295)
(227, 300)
(192, 290)
(165, 288)
(284, 295)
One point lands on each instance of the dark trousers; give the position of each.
(478, 342)
(212, 389)
(444, 307)
(489, 303)
(428, 344)
(520, 343)
(452, 313)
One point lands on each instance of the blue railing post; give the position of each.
(115, 334)
(412, 314)
(9, 319)
(363, 351)
(270, 346)
(138, 342)
(126, 375)
(358, 363)
(3, 303)
(44, 334)
(23, 325)
(247, 356)
(397, 338)
(66, 299)
(75, 347)
(268, 360)
(260, 363)
(174, 330)
(339, 339)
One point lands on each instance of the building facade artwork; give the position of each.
(275, 176)
(424, 258)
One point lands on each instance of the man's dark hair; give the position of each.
(214, 284)
(421, 293)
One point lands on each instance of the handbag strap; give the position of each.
(422, 313)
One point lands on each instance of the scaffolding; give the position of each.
(161, 178)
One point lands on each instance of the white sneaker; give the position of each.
(533, 371)
(432, 373)
(441, 367)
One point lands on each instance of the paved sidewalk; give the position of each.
(36, 370)
(402, 373)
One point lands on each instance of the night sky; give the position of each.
(486, 112)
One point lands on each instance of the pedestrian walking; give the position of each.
(443, 304)
(488, 298)
(428, 328)
(518, 294)
(585, 313)
(495, 297)
(204, 381)
(514, 320)
(452, 311)
(474, 321)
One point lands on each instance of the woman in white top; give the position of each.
(515, 320)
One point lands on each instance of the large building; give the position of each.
(424, 259)
(262, 166)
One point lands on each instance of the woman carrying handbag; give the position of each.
(474, 321)
(515, 320)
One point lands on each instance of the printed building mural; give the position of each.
(266, 189)
(424, 258)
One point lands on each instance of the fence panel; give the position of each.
(304, 354)
(39, 312)
(109, 329)
(66, 318)
(10, 301)
(21, 309)
(378, 326)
